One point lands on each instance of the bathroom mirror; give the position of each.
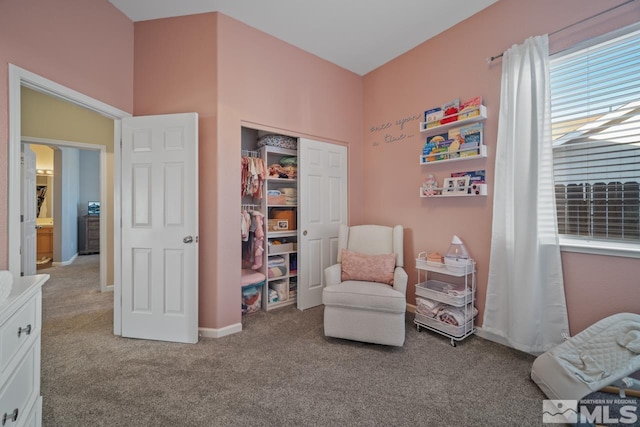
(44, 196)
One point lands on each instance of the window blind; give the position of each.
(595, 126)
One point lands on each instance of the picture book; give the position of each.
(442, 150)
(472, 136)
(450, 110)
(432, 145)
(432, 117)
(470, 108)
(475, 177)
(453, 133)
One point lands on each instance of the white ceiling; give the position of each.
(359, 35)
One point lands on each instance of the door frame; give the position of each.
(20, 77)
(104, 218)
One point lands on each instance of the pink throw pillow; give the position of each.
(370, 268)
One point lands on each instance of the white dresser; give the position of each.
(20, 327)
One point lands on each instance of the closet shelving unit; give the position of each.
(480, 189)
(286, 284)
(457, 291)
(250, 203)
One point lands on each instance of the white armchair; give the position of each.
(363, 310)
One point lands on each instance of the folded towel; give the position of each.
(277, 271)
(428, 307)
(276, 261)
(455, 315)
(6, 283)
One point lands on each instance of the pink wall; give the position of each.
(176, 72)
(452, 65)
(259, 82)
(232, 75)
(86, 45)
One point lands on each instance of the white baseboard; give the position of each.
(63, 263)
(219, 333)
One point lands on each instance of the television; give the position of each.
(93, 208)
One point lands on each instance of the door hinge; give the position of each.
(21, 218)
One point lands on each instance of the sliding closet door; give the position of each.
(322, 193)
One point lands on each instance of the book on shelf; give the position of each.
(472, 136)
(432, 117)
(470, 108)
(450, 110)
(475, 177)
(434, 145)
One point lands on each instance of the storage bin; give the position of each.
(452, 330)
(282, 248)
(447, 293)
(278, 225)
(287, 214)
(280, 286)
(277, 200)
(252, 298)
(281, 141)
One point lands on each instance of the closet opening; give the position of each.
(269, 218)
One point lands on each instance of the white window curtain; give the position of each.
(525, 302)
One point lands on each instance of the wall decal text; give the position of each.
(393, 130)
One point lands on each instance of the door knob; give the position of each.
(187, 239)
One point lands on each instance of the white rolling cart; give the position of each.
(459, 292)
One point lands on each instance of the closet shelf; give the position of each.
(284, 276)
(291, 233)
(284, 303)
(282, 180)
(278, 150)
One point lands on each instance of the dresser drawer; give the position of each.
(34, 418)
(22, 389)
(93, 224)
(19, 331)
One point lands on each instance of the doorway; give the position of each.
(68, 190)
(18, 78)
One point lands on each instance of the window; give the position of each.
(595, 126)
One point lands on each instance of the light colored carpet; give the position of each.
(279, 371)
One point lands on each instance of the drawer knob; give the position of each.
(26, 330)
(14, 416)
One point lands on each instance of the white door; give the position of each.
(322, 194)
(160, 227)
(28, 212)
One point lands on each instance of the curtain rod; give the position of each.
(493, 58)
